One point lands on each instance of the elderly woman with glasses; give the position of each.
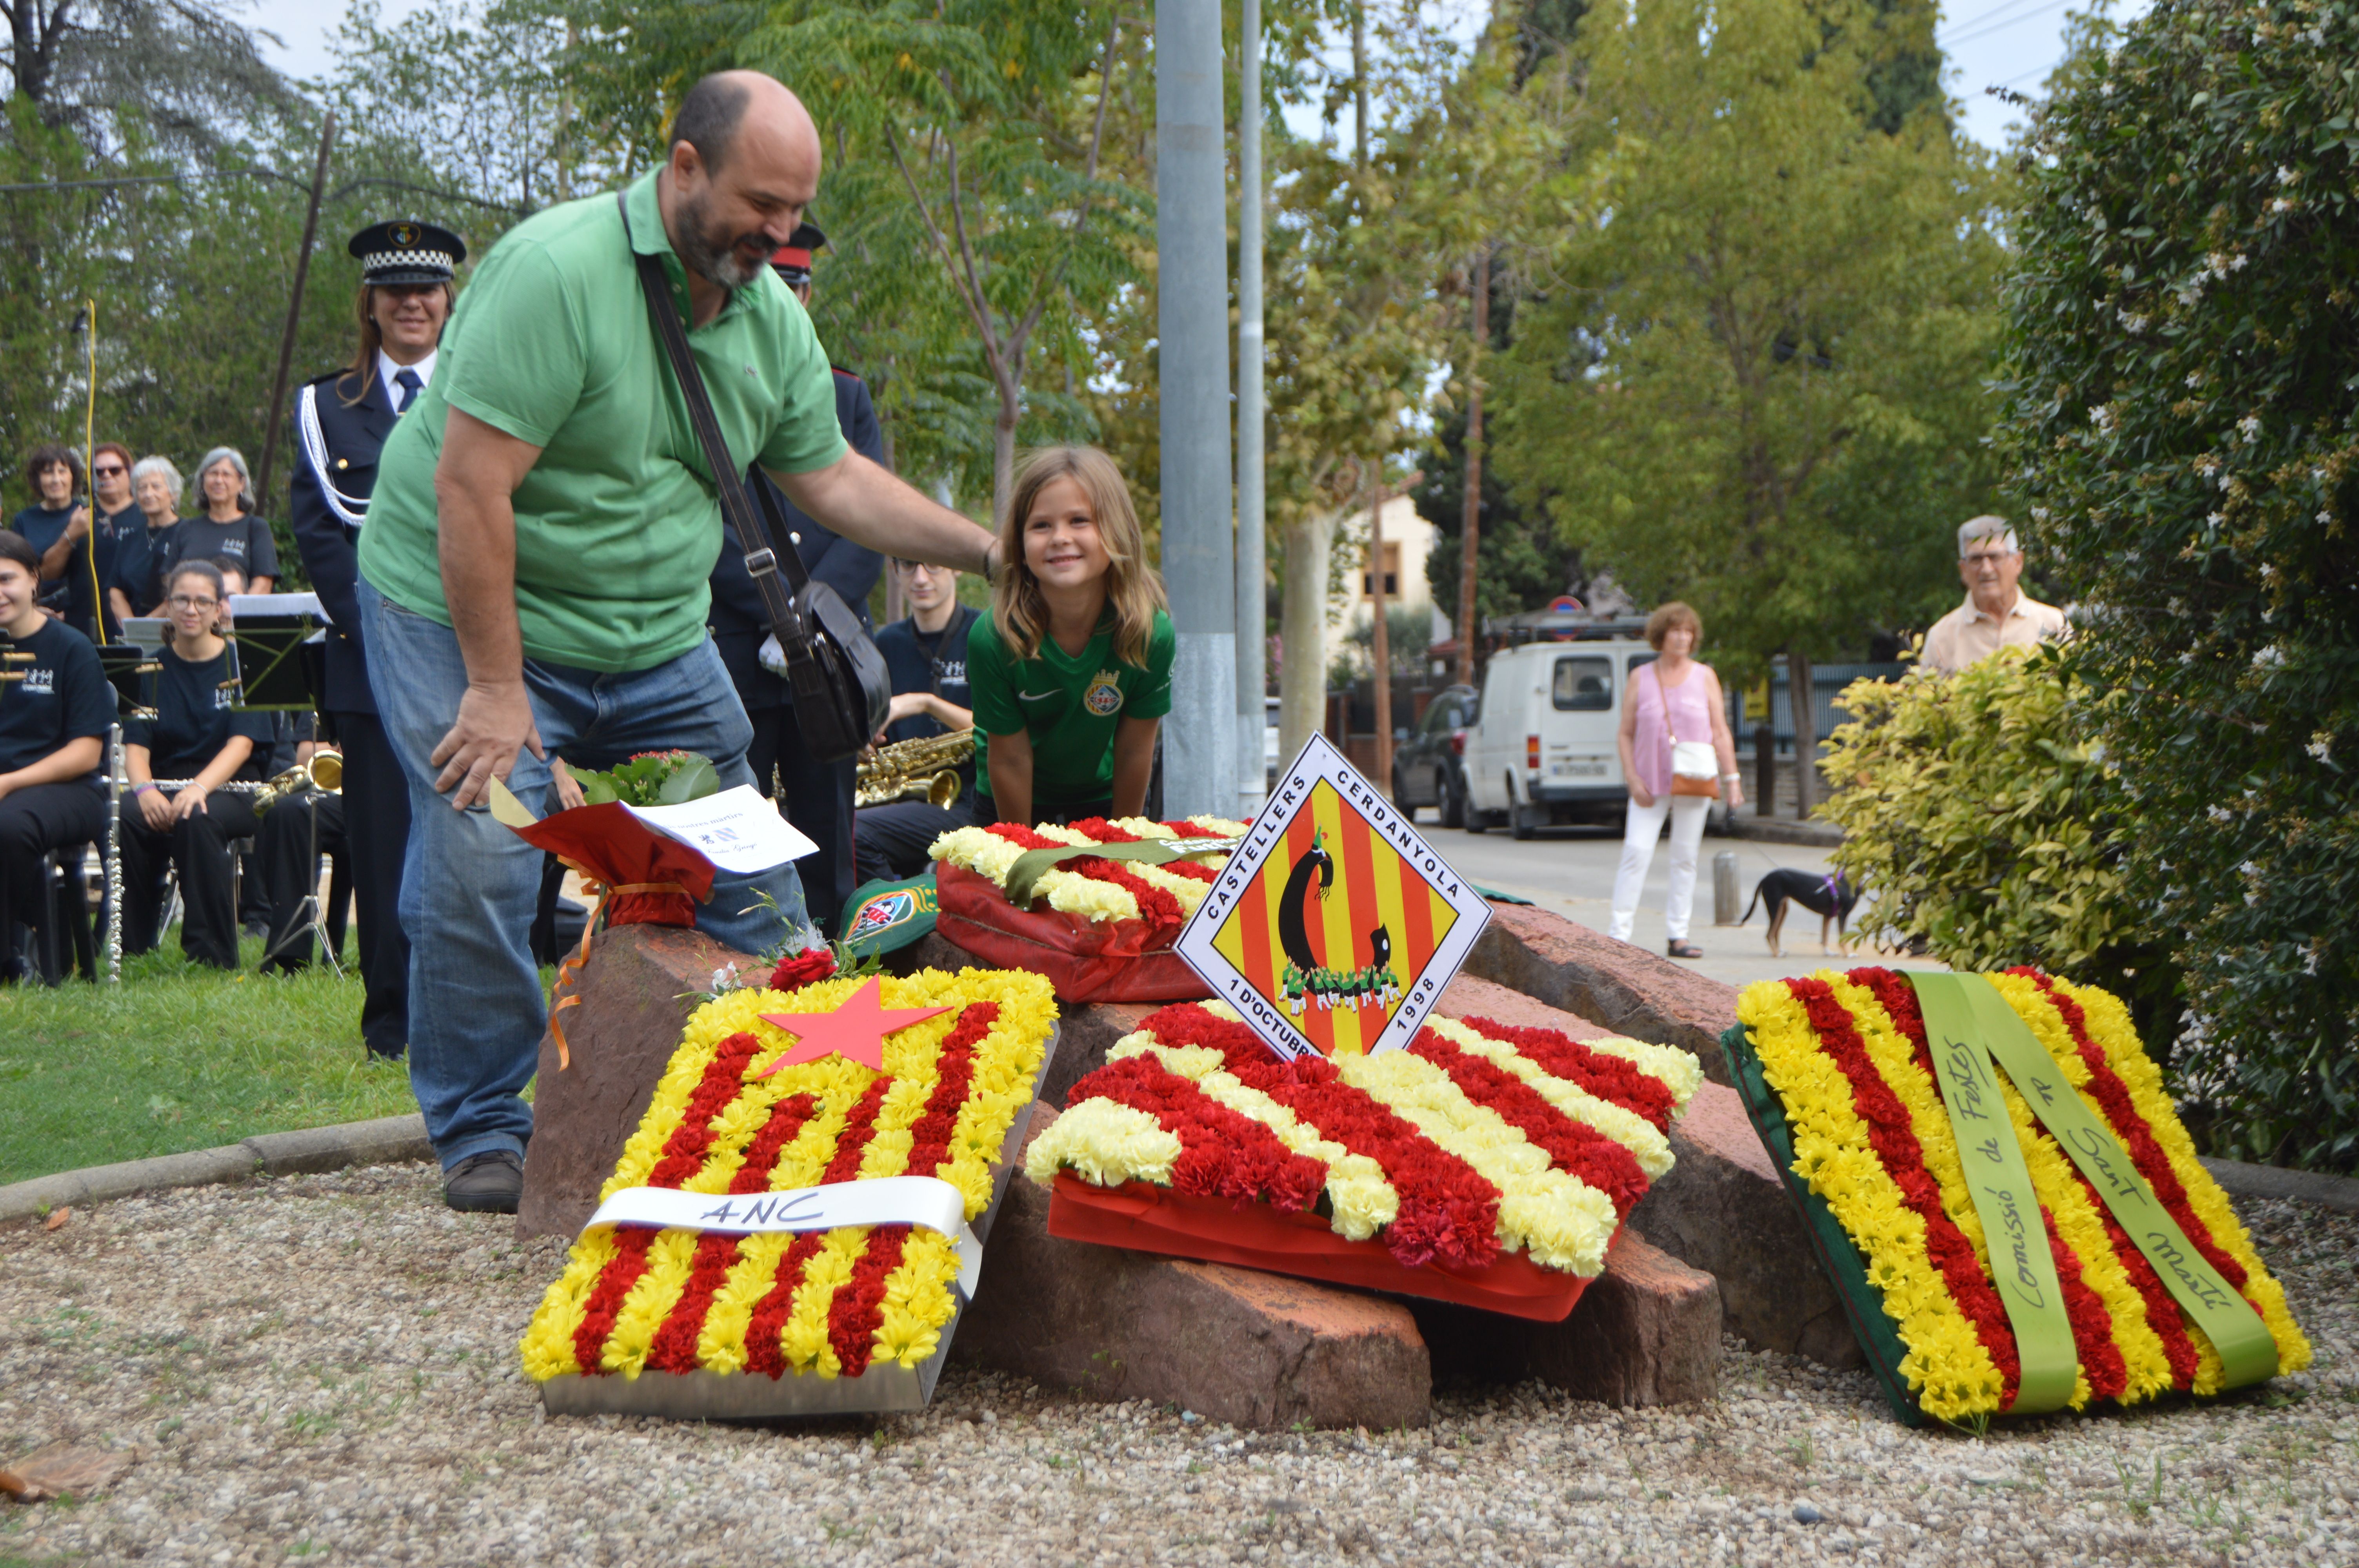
(138, 586)
(176, 813)
(228, 530)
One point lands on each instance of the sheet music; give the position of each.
(244, 604)
(738, 830)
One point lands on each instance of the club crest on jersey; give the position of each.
(1104, 694)
(40, 683)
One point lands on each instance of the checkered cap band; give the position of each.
(437, 262)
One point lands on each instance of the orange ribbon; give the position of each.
(571, 966)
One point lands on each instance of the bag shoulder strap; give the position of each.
(736, 511)
(1663, 695)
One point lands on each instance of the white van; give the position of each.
(1541, 749)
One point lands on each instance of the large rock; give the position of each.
(1232, 1345)
(1723, 1209)
(637, 987)
(1628, 989)
(1645, 1332)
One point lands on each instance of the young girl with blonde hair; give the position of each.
(1071, 671)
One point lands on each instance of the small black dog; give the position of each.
(1830, 898)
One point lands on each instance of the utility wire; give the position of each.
(347, 188)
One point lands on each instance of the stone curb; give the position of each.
(305, 1151)
(2240, 1180)
(1779, 831)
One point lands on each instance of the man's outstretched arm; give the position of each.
(866, 504)
(474, 492)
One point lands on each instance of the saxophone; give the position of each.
(324, 773)
(925, 770)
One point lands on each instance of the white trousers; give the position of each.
(1640, 829)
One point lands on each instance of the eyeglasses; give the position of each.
(1986, 557)
(183, 602)
(109, 472)
(902, 566)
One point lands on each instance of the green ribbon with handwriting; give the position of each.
(1026, 871)
(2021, 1265)
(2248, 1354)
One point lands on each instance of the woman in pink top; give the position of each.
(1673, 699)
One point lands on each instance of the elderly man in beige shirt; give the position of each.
(1997, 613)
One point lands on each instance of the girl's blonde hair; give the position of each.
(1134, 591)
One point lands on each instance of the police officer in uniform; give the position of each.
(340, 421)
(818, 795)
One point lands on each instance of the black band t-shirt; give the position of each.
(64, 697)
(194, 719)
(244, 542)
(70, 596)
(926, 660)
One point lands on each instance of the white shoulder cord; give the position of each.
(352, 510)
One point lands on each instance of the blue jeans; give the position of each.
(469, 885)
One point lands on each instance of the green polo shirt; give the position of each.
(1069, 703)
(618, 524)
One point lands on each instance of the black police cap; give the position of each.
(793, 259)
(407, 252)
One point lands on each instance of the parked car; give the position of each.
(1428, 766)
(1541, 749)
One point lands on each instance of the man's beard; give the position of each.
(713, 258)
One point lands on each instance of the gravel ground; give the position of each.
(324, 1368)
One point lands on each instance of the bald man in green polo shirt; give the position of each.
(534, 564)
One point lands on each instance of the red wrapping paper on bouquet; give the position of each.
(641, 877)
(1086, 960)
(647, 879)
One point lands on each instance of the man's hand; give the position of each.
(495, 723)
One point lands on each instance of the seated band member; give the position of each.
(58, 525)
(197, 737)
(55, 710)
(926, 654)
(226, 528)
(1071, 671)
(137, 588)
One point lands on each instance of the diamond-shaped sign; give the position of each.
(1334, 926)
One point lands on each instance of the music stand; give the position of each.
(276, 664)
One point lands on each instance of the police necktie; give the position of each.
(407, 380)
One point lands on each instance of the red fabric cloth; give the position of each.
(606, 842)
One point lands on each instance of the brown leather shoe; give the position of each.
(1685, 950)
(490, 1183)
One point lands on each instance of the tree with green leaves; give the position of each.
(1751, 374)
(2183, 421)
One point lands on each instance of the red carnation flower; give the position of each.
(798, 969)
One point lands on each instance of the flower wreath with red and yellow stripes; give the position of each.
(1093, 888)
(635, 1299)
(1478, 1139)
(1847, 1058)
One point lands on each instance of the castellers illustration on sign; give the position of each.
(1333, 927)
(1309, 981)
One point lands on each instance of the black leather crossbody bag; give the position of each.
(843, 690)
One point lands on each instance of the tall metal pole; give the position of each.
(1380, 649)
(1473, 504)
(1253, 642)
(294, 314)
(1199, 764)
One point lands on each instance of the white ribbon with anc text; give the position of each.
(884, 1200)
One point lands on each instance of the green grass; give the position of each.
(180, 1057)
